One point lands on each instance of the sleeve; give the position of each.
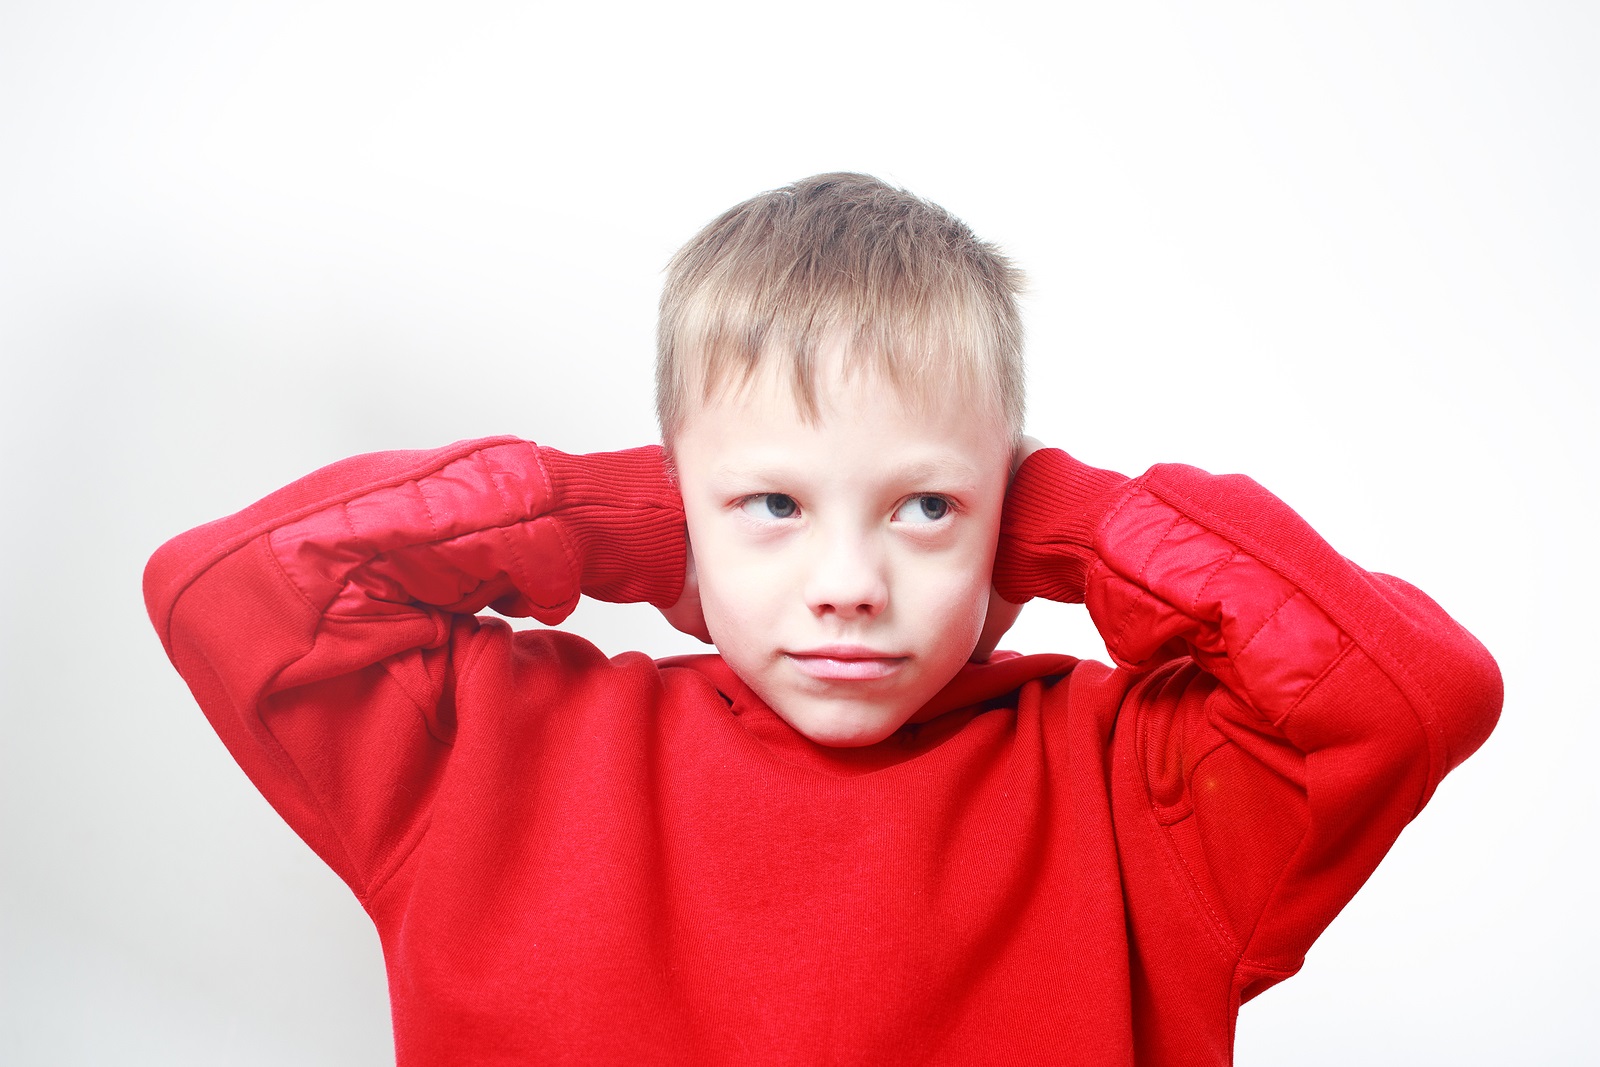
(1290, 711)
(323, 629)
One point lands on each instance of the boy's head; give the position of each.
(903, 284)
(840, 387)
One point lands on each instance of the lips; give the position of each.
(846, 663)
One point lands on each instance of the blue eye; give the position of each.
(770, 506)
(925, 508)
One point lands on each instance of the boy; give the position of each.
(853, 835)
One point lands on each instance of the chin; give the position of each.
(844, 727)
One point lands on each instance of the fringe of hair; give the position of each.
(904, 285)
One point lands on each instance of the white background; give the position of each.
(1350, 249)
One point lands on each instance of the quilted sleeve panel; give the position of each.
(322, 629)
(1292, 712)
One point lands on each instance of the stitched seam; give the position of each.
(1137, 580)
(1252, 967)
(389, 668)
(574, 558)
(1284, 873)
(523, 571)
(333, 827)
(402, 852)
(1272, 894)
(1134, 488)
(305, 598)
(1127, 615)
(1220, 566)
(1185, 802)
(1293, 592)
(1343, 655)
(518, 579)
(1144, 564)
(1145, 743)
(1221, 936)
(544, 478)
(410, 844)
(271, 526)
(1371, 643)
(427, 508)
(1259, 967)
(272, 550)
(1217, 920)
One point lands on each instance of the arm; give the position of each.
(1290, 711)
(323, 628)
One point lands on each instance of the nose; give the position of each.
(848, 577)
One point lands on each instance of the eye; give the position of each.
(770, 506)
(928, 507)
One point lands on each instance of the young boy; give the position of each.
(853, 835)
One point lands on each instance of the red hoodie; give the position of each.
(576, 859)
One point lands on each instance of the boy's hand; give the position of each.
(1002, 613)
(686, 615)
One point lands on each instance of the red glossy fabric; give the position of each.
(575, 858)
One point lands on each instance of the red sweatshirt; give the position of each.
(577, 859)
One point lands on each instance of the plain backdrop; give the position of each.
(1349, 249)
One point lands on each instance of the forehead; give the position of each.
(831, 371)
(860, 423)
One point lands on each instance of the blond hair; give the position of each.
(907, 287)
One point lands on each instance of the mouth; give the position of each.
(846, 663)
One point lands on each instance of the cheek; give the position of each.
(969, 574)
(739, 595)
(952, 600)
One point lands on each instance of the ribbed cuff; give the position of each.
(626, 516)
(1053, 506)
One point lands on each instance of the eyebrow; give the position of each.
(948, 473)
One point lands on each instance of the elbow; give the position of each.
(170, 570)
(1470, 698)
(1459, 678)
(161, 585)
